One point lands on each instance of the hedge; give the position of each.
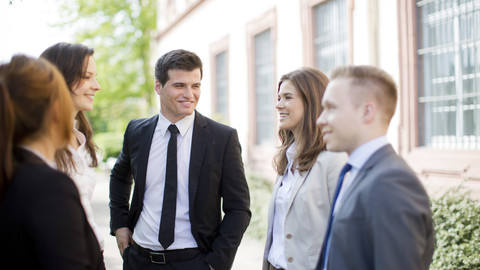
(457, 231)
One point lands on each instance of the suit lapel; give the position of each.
(271, 209)
(146, 136)
(299, 179)
(363, 173)
(199, 145)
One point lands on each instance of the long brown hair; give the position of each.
(29, 90)
(72, 61)
(310, 84)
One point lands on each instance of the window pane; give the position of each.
(449, 73)
(221, 84)
(264, 107)
(330, 37)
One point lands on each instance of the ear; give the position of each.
(55, 112)
(158, 87)
(369, 112)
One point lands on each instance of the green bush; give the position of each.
(457, 230)
(110, 144)
(260, 193)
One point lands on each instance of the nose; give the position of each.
(321, 120)
(188, 92)
(279, 104)
(96, 85)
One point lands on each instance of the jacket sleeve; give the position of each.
(236, 206)
(120, 187)
(401, 223)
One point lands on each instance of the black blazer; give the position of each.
(42, 221)
(216, 179)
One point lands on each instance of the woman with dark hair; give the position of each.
(307, 175)
(42, 222)
(75, 62)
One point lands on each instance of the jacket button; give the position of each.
(289, 236)
(290, 259)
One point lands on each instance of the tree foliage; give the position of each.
(121, 32)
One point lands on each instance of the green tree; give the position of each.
(121, 32)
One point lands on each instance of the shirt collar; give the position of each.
(79, 135)
(183, 124)
(291, 153)
(360, 155)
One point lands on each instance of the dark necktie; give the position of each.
(344, 171)
(167, 223)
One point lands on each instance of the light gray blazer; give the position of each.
(308, 211)
(384, 221)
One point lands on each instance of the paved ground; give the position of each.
(249, 255)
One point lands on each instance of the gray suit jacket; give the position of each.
(308, 210)
(385, 220)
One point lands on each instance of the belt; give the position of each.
(271, 267)
(166, 256)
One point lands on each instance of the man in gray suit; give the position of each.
(381, 218)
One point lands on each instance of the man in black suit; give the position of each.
(209, 175)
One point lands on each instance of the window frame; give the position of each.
(218, 47)
(427, 163)
(258, 152)
(308, 25)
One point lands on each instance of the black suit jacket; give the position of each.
(216, 179)
(42, 221)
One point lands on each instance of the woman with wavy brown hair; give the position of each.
(307, 175)
(42, 222)
(75, 61)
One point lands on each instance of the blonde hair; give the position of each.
(374, 81)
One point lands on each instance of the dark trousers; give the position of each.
(132, 260)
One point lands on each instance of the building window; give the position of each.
(264, 80)
(449, 74)
(330, 34)
(221, 86)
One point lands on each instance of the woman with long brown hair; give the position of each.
(75, 61)
(307, 175)
(42, 222)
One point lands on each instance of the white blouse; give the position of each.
(84, 179)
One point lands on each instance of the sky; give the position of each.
(25, 27)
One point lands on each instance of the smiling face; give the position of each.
(84, 91)
(290, 107)
(180, 94)
(341, 120)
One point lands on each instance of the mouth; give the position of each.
(282, 115)
(186, 103)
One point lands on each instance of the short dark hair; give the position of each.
(176, 59)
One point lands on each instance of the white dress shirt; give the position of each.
(84, 178)
(147, 228)
(277, 256)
